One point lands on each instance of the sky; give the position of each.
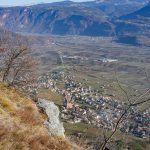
(29, 2)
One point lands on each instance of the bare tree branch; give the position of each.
(18, 65)
(124, 113)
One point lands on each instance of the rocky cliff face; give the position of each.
(54, 125)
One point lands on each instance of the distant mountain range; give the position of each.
(124, 19)
(56, 18)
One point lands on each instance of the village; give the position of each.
(82, 104)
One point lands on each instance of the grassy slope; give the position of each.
(21, 124)
(50, 95)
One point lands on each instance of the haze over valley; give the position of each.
(85, 67)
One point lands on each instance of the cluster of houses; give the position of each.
(85, 105)
(82, 104)
(138, 123)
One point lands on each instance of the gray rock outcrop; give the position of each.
(53, 123)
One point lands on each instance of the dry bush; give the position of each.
(19, 140)
(28, 116)
(46, 143)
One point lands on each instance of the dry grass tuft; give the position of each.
(6, 104)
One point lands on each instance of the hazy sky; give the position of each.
(27, 2)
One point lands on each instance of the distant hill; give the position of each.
(143, 13)
(136, 25)
(117, 8)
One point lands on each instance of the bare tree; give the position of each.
(17, 64)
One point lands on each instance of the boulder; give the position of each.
(53, 123)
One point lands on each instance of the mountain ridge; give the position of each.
(135, 25)
(54, 20)
(85, 18)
